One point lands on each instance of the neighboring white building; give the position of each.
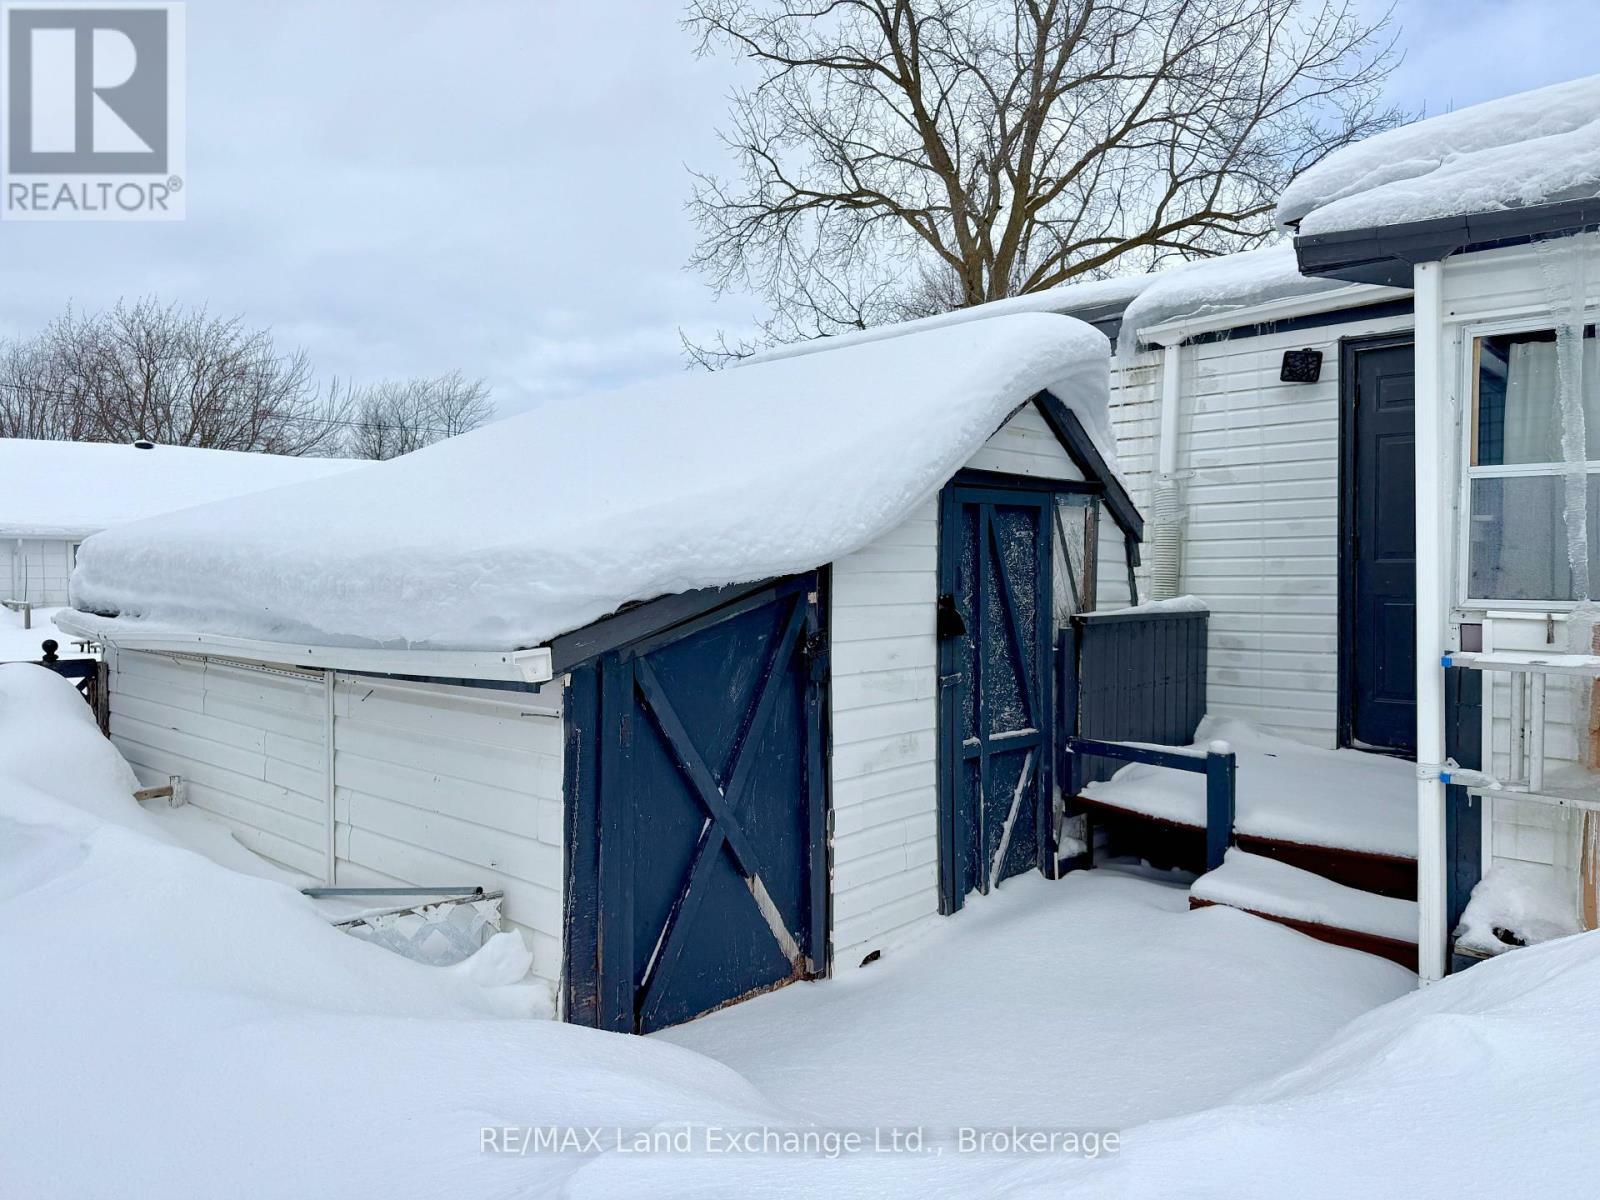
(55, 494)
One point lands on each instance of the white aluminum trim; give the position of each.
(522, 666)
(1354, 296)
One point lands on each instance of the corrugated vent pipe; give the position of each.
(1166, 539)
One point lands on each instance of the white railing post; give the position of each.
(1433, 541)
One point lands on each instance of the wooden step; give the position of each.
(1318, 907)
(1166, 843)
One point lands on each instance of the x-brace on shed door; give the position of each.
(712, 811)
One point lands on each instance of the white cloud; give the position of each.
(405, 186)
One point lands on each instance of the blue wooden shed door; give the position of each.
(712, 811)
(995, 686)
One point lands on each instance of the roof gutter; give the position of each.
(1175, 333)
(515, 666)
(1386, 254)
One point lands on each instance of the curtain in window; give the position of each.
(1528, 418)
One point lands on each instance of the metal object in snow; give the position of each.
(440, 933)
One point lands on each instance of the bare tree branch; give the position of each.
(897, 154)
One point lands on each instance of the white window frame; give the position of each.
(1467, 374)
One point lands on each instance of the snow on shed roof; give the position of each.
(1213, 286)
(72, 489)
(1537, 147)
(1086, 300)
(540, 524)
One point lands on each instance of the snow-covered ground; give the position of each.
(173, 1027)
(1053, 1004)
(1285, 789)
(22, 645)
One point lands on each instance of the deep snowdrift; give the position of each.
(1535, 147)
(539, 524)
(173, 1028)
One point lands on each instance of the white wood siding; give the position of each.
(1024, 445)
(1111, 566)
(885, 680)
(249, 745)
(441, 786)
(885, 711)
(35, 569)
(436, 786)
(1259, 461)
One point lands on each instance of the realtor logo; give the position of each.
(93, 112)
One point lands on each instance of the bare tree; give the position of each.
(905, 156)
(35, 400)
(174, 376)
(395, 417)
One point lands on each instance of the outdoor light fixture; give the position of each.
(1301, 366)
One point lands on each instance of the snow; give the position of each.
(508, 536)
(1485, 1084)
(19, 644)
(1085, 965)
(1531, 148)
(1264, 885)
(1214, 286)
(1285, 789)
(1071, 299)
(1176, 604)
(54, 489)
(1532, 901)
(176, 1028)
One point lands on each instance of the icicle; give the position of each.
(1566, 278)
(1565, 266)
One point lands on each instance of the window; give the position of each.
(1517, 481)
(1075, 538)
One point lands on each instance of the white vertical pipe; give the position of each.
(1432, 614)
(1165, 540)
(1171, 393)
(330, 869)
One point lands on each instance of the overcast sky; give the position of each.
(409, 186)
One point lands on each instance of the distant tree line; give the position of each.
(185, 377)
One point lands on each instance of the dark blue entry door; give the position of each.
(995, 686)
(712, 811)
(1380, 626)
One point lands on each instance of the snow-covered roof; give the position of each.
(1214, 286)
(540, 524)
(1085, 300)
(73, 489)
(1537, 147)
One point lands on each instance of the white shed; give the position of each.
(726, 679)
(54, 494)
